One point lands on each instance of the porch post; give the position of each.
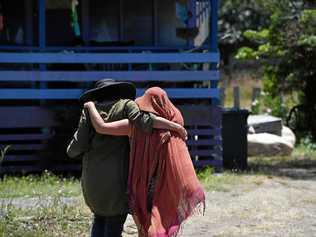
(42, 37)
(155, 22)
(42, 24)
(29, 28)
(28, 22)
(192, 19)
(213, 25)
(85, 19)
(213, 44)
(121, 20)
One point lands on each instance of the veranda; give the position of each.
(51, 51)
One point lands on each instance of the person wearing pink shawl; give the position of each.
(162, 184)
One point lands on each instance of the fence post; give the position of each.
(255, 93)
(236, 97)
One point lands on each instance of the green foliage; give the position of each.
(205, 173)
(258, 36)
(275, 106)
(308, 143)
(236, 16)
(269, 105)
(255, 106)
(246, 53)
(288, 48)
(307, 41)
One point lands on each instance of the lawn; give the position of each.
(50, 205)
(39, 186)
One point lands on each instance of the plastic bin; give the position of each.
(234, 138)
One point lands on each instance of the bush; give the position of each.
(288, 49)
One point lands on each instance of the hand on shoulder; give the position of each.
(88, 104)
(182, 132)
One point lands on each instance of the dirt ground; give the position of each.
(282, 206)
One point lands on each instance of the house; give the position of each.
(51, 51)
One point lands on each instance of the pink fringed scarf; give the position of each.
(163, 187)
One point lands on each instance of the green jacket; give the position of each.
(105, 158)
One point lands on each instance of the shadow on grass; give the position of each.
(297, 166)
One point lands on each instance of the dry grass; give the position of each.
(55, 219)
(261, 200)
(35, 185)
(246, 80)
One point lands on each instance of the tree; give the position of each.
(288, 48)
(235, 17)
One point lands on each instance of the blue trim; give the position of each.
(65, 94)
(192, 20)
(213, 36)
(121, 20)
(42, 23)
(85, 20)
(198, 9)
(42, 33)
(24, 137)
(85, 76)
(28, 22)
(185, 93)
(200, 152)
(155, 22)
(18, 48)
(109, 57)
(101, 48)
(213, 25)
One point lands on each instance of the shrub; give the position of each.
(288, 49)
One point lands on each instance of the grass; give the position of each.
(48, 184)
(302, 157)
(56, 219)
(226, 181)
(261, 168)
(59, 219)
(35, 185)
(217, 182)
(52, 216)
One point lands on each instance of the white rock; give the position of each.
(288, 135)
(251, 130)
(265, 144)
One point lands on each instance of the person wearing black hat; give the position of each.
(105, 157)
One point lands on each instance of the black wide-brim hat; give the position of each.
(109, 89)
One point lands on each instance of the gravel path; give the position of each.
(283, 207)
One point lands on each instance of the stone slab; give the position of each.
(265, 124)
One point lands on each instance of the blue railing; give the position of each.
(46, 56)
(112, 58)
